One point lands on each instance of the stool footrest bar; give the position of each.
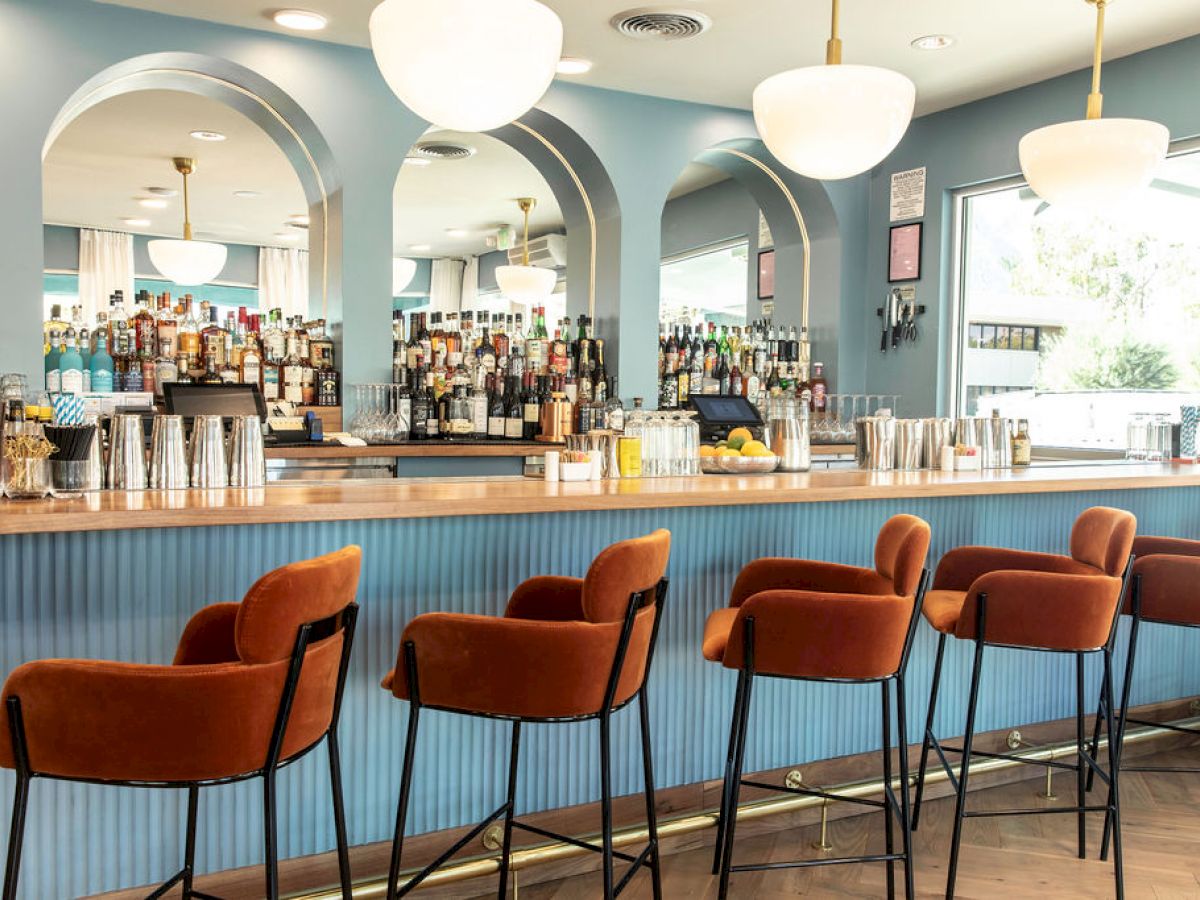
(454, 848)
(810, 863)
(1033, 811)
(813, 792)
(567, 839)
(1194, 732)
(984, 754)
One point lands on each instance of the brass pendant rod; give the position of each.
(526, 254)
(1095, 103)
(833, 49)
(187, 219)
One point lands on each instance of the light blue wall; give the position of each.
(971, 144)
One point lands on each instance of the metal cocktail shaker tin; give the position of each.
(208, 464)
(788, 438)
(876, 443)
(127, 454)
(168, 454)
(909, 443)
(247, 460)
(935, 434)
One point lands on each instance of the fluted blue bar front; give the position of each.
(127, 594)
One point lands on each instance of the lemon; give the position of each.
(707, 451)
(729, 451)
(740, 434)
(755, 448)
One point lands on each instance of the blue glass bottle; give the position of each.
(101, 364)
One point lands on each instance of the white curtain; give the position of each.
(470, 283)
(446, 285)
(283, 280)
(105, 266)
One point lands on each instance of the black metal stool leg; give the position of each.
(1113, 815)
(925, 741)
(1081, 766)
(735, 783)
(410, 748)
(16, 837)
(964, 772)
(905, 813)
(339, 815)
(727, 785)
(606, 802)
(189, 846)
(651, 812)
(1116, 744)
(514, 757)
(888, 815)
(270, 836)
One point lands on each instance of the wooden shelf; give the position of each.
(432, 449)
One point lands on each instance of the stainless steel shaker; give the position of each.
(168, 454)
(935, 434)
(993, 435)
(247, 461)
(208, 465)
(788, 438)
(909, 443)
(127, 454)
(876, 443)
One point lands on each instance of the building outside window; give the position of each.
(1078, 322)
(709, 284)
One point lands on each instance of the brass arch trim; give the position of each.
(72, 112)
(791, 199)
(587, 206)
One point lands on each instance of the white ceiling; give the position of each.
(103, 162)
(998, 46)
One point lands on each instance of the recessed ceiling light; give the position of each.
(247, 195)
(162, 191)
(298, 221)
(933, 42)
(417, 161)
(288, 235)
(153, 203)
(137, 223)
(300, 19)
(458, 232)
(208, 136)
(420, 248)
(574, 65)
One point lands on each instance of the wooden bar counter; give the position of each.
(423, 498)
(117, 575)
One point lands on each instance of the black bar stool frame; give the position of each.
(309, 633)
(893, 808)
(649, 857)
(1085, 766)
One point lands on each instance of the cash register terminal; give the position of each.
(717, 415)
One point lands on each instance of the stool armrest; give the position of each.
(547, 598)
(1156, 546)
(1170, 588)
(823, 635)
(209, 636)
(518, 666)
(773, 573)
(959, 568)
(1048, 610)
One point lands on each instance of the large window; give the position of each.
(706, 285)
(1078, 322)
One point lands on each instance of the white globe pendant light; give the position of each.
(526, 283)
(187, 262)
(1093, 164)
(403, 271)
(833, 121)
(467, 65)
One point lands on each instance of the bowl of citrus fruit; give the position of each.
(738, 454)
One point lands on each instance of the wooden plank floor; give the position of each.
(1012, 857)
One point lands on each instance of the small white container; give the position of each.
(552, 465)
(947, 460)
(596, 461)
(969, 463)
(576, 471)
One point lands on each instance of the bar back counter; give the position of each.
(116, 575)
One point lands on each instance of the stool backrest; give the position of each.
(900, 552)
(282, 600)
(1164, 546)
(1103, 539)
(622, 570)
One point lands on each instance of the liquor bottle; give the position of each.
(486, 353)
(166, 326)
(531, 411)
(130, 365)
(413, 353)
(236, 341)
(710, 351)
(399, 351)
(404, 409)
(212, 336)
(479, 401)
(721, 374)
(500, 340)
(71, 366)
(230, 374)
(250, 367)
(272, 384)
(668, 391)
(1022, 446)
(101, 363)
(117, 312)
(670, 355)
(211, 375)
(419, 427)
(328, 386)
(820, 388)
(189, 338)
(496, 410)
(143, 325)
(166, 369)
(614, 413)
(54, 364)
(292, 372)
(54, 323)
(432, 409)
(736, 385)
(120, 354)
(85, 353)
(683, 386)
(774, 383)
(274, 338)
(514, 411)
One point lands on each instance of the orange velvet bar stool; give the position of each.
(1021, 600)
(254, 686)
(1165, 591)
(566, 650)
(814, 621)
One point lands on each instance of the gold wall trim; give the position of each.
(82, 103)
(556, 851)
(791, 199)
(587, 206)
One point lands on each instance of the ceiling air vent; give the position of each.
(658, 24)
(443, 150)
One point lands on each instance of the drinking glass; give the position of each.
(1136, 437)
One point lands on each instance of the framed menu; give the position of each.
(904, 253)
(766, 275)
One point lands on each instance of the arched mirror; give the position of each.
(176, 248)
